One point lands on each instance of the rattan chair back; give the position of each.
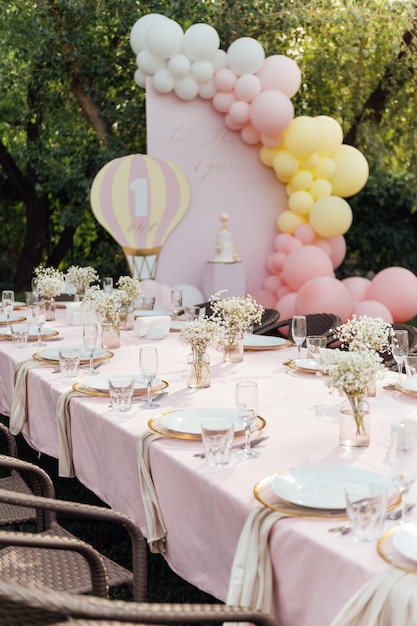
(317, 324)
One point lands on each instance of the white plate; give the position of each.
(189, 421)
(152, 313)
(308, 365)
(263, 341)
(323, 486)
(33, 331)
(177, 325)
(405, 541)
(13, 318)
(18, 304)
(410, 384)
(51, 354)
(101, 383)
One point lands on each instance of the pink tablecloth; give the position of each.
(204, 508)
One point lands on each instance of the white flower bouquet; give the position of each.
(234, 313)
(104, 305)
(129, 289)
(199, 334)
(50, 281)
(371, 333)
(81, 277)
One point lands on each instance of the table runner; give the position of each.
(386, 600)
(156, 532)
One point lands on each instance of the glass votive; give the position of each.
(217, 436)
(69, 361)
(366, 506)
(121, 392)
(20, 334)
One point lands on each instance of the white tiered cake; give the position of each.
(225, 249)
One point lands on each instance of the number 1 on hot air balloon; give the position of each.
(140, 189)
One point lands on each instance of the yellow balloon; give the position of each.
(285, 164)
(332, 134)
(325, 168)
(302, 179)
(289, 189)
(320, 188)
(300, 202)
(288, 222)
(267, 155)
(352, 171)
(310, 162)
(331, 216)
(303, 136)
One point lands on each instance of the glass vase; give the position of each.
(233, 346)
(49, 309)
(126, 317)
(354, 423)
(110, 335)
(198, 370)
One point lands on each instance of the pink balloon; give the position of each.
(338, 253)
(278, 259)
(291, 245)
(281, 241)
(324, 295)
(323, 245)
(305, 233)
(271, 112)
(372, 308)
(250, 135)
(230, 123)
(266, 298)
(282, 291)
(223, 100)
(396, 287)
(357, 286)
(271, 141)
(280, 73)
(225, 79)
(272, 283)
(286, 307)
(247, 87)
(239, 112)
(305, 263)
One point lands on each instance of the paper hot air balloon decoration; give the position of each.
(139, 200)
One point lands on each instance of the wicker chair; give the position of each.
(59, 569)
(26, 606)
(389, 361)
(317, 324)
(268, 324)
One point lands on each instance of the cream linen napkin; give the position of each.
(18, 409)
(251, 576)
(63, 420)
(155, 528)
(389, 599)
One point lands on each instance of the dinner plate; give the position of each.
(151, 313)
(51, 355)
(46, 333)
(322, 486)
(99, 385)
(177, 325)
(19, 305)
(405, 541)
(305, 365)
(409, 386)
(264, 342)
(13, 318)
(186, 423)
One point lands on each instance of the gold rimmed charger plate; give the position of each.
(263, 347)
(38, 357)
(90, 391)
(33, 337)
(401, 389)
(156, 425)
(306, 370)
(15, 320)
(387, 551)
(264, 493)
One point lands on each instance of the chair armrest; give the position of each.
(41, 482)
(95, 513)
(93, 558)
(9, 440)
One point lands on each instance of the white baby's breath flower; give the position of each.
(199, 334)
(81, 277)
(104, 305)
(371, 333)
(351, 373)
(234, 313)
(129, 289)
(50, 281)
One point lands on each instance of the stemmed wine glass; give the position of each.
(35, 287)
(7, 300)
(176, 302)
(39, 317)
(399, 350)
(90, 340)
(148, 361)
(402, 459)
(247, 410)
(299, 331)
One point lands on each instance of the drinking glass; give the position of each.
(247, 409)
(402, 459)
(176, 302)
(148, 361)
(108, 284)
(399, 350)
(7, 300)
(35, 287)
(39, 317)
(299, 331)
(90, 339)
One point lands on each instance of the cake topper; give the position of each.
(226, 251)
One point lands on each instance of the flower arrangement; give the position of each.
(234, 313)
(50, 281)
(370, 333)
(129, 289)
(199, 334)
(81, 277)
(103, 305)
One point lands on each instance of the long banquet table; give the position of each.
(204, 508)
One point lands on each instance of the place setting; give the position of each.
(315, 344)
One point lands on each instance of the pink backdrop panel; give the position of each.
(225, 175)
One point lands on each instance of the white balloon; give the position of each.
(245, 56)
(202, 71)
(163, 81)
(219, 60)
(179, 65)
(207, 90)
(165, 38)
(186, 88)
(190, 294)
(140, 29)
(140, 78)
(148, 62)
(201, 42)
